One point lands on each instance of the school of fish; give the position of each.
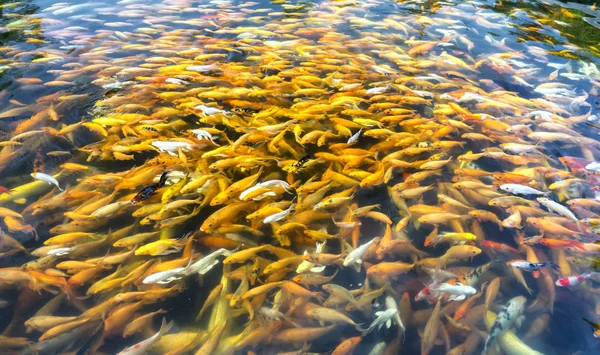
(332, 180)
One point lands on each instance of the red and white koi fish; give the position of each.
(572, 281)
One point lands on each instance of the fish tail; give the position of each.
(319, 296)
(163, 179)
(486, 347)
(367, 331)
(592, 274)
(529, 290)
(361, 329)
(552, 265)
(594, 325)
(66, 287)
(165, 327)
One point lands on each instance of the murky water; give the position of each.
(427, 144)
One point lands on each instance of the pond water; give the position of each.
(367, 177)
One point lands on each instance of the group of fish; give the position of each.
(292, 188)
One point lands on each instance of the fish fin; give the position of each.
(519, 321)
(554, 266)
(529, 290)
(360, 329)
(165, 327)
(594, 325)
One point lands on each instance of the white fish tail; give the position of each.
(164, 327)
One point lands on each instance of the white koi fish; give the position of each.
(205, 264)
(458, 292)
(275, 183)
(390, 303)
(517, 189)
(60, 251)
(382, 70)
(377, 90)
(558, 208)
(171, 147)
(209, 111)
(176, 81)
(47, 178)
(530, 267)
(279, 215)
(145, 345)
(202, 68)
(386, 318)
(354, 257)
(265, 184)
(308, 266)
(593, 166)
(202, 134)
(354, 137)
(164, 277)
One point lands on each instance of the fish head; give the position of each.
(374, 271)
(473, 251)
(381, 250)
(219, 199)
(534, 222)
(474, 214)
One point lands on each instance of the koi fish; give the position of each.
(47, 178)
(573, 281)
(144, 346)
(149, 190)
(509, 315)
(531, 267)
(458, 292)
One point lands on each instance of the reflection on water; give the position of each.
(335, 176)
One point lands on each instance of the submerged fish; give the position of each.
(149, 190)
(145, 345)
(511, 314)
(529, 266)
(303, 142)
(47, 178)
